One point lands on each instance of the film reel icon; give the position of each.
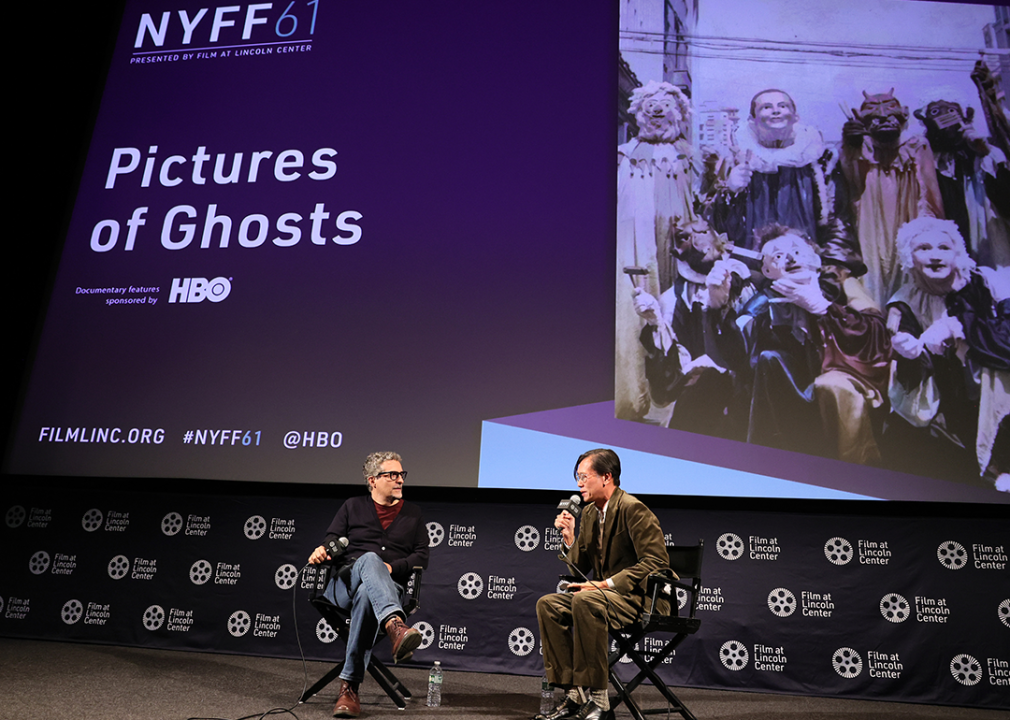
(239, 623)
(966, 669)
(527, 538)
(119, 566)
(470, 586)
(952, 555)
(72, 611)
(624, 659)
(325, 632)
(200, 571)
(733, 655)
(782, 602)
(895, 608)
(92, 520)
(427, 634)
(522, 641)
(436, 534)
(682, 596)
(15, 516)
(171, 524)
(286, 576)
(729, 546)
(39, 562)
(255, 527)
(838, 550)
(847, 662)
(154, 617)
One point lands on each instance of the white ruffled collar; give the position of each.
(806, 148)
(927, 307)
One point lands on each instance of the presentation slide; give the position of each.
(309, 230)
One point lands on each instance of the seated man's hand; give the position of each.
(566, 524)
(579, 587)
(318, 555)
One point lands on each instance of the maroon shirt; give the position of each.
(387, 513)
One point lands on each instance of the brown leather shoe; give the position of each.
(348, 705)
(404, 639)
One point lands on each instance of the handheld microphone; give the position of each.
(336, 547)
(572, 505)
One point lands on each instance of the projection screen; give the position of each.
(306, 231)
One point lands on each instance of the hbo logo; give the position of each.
(194, 290)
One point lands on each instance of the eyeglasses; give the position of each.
(583, 477)
(393, 475)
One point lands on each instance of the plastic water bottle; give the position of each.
(435, 685)
(546, 696)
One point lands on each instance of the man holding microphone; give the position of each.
(621, 543)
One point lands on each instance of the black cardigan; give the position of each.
(404, 544)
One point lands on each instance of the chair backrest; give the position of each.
(685, 560)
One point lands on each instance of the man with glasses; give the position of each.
(386, 539)
(621, 543)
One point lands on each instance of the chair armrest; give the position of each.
(412, 600)
(664, 581)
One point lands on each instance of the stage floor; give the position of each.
(66, 681)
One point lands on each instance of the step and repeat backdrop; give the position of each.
(895, 608)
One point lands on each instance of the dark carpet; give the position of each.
(65, 681)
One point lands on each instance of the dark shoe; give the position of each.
(567, 709)
(348, 705)
(591, 711)
(404, 639)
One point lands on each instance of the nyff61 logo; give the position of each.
(228, 24)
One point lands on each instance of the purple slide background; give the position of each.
(472, 144)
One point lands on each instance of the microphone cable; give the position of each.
(575, 502)
(301, 654)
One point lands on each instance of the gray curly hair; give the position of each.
(373, 463)
(905, 241)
